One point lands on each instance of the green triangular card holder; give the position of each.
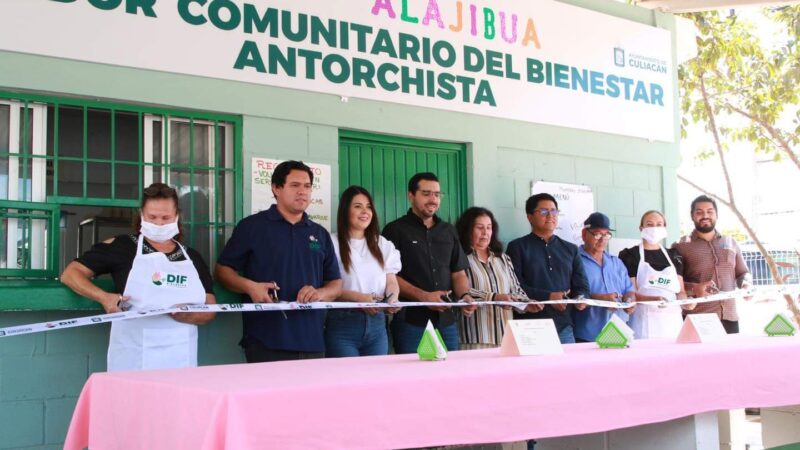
(611, 337)
(427, 348)
(780, 326)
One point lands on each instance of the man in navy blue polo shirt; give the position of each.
(608, 279)
(548, 267)
(283, 251)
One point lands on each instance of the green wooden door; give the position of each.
(383, 164)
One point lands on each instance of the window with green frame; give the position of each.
(58, 153)
(32, 244)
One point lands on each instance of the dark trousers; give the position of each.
(255, 352)
(731, 326)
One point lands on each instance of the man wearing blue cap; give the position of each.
(608, 279)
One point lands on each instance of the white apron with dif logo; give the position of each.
(650, 322)
(157, 342)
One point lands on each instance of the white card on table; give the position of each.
(530, 337)
(626, 330)
(701, 328)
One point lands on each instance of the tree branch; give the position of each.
(714, 88)
(705, 191)
(783, 144)
(712, 124)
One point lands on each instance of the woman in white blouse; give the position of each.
(368, 264)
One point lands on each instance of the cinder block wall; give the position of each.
(42, 374)
(623, 191)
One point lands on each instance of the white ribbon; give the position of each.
(770, 293)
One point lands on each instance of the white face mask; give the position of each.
(159, 233)
(654, 235)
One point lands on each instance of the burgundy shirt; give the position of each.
(718, 259)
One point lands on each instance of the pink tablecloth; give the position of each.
(399, 401)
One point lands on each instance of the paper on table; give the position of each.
(699, 328)
(530, 337)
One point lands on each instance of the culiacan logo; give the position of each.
(170, 280)
(639, 62)
(619, 57)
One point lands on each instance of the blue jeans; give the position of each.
(355, 333)
(566, 336)
(406, 337)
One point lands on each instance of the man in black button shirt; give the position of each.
(433, 267)
(548, 267)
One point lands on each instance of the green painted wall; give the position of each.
(41, 375)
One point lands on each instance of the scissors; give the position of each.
(273, 294)
(123, 306)
(448, 298)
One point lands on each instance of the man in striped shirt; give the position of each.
(712, 263)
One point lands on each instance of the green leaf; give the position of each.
(737, 68)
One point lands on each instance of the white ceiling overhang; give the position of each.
(678, 6)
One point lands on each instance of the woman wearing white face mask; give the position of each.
(151, 269)
(654, 272)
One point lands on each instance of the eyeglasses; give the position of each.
(603, 236)
(544, 212)
(437, 194)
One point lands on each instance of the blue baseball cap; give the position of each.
(597, 220)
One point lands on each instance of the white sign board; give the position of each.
(575, 203)
(699, 328)
(530, 337)
(261, 197)
(536, 61)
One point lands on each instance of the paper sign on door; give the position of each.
(530, 337)
(701, 328)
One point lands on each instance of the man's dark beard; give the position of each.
(702, 229)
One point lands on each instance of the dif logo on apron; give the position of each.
(657, 281)
(170, 280)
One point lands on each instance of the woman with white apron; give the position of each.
(159, 273)
(655, 277)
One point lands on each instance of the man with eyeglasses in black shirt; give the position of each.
(434, 267)
(548, 267)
